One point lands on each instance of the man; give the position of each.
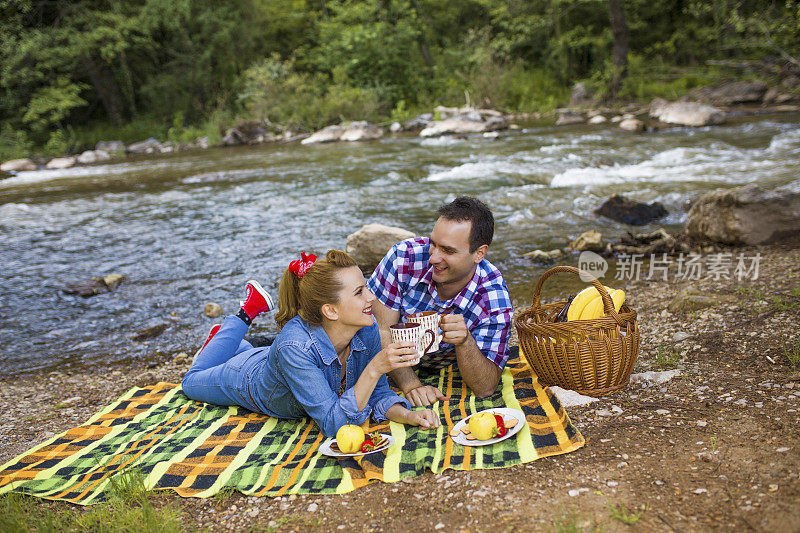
(448, 273)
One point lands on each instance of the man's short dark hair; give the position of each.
(464, 209)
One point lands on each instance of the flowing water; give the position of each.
(193, 227)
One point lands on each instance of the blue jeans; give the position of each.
(219, 373)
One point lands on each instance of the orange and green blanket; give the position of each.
(197, 449)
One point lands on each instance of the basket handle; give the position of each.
(608, 303)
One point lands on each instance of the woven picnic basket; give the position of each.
(593, 357)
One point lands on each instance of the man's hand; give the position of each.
(424, 395)
(454, 329)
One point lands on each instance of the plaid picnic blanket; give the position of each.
(198, 449)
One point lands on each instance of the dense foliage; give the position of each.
(72, 72)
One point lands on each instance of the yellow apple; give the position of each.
(483, 425)
(350, 438)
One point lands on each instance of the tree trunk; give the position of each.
(423, 45)
(106, 88)
(619, 28)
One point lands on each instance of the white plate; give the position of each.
(326, 449)
(505, 411)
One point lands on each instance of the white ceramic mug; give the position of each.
(415, 333)
(428, 320)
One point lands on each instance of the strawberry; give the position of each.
(367, 445)
(501, 427)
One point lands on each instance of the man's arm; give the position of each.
(405, 378)
(480, 374)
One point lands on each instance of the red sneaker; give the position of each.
(214, 330)
(257, 300)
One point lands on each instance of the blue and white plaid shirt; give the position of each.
(403, 281)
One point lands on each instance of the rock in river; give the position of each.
(686, 113)
(629, 211)
(468, 122)
(150, 332)
(212, 310)
(95, 286)
(93, 156)
(61, 162)
(590, 240)
(18, 165)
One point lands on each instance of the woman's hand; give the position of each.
(425, 418)
(395, 355)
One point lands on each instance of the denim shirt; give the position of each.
(301, 376)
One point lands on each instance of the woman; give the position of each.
(326, 362)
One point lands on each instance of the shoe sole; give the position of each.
(264, 294)
(214, 330)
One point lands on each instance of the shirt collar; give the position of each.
(326, 350)
(464, 297)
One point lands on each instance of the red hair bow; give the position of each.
(300, 266)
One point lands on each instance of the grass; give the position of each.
(625, 515)
(785, 304)
(667, 357)
(225, 494)
(792, 352)
(755, 298)
(572, 522)
(282, 524)
(128, 509)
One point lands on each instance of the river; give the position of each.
(193, 227)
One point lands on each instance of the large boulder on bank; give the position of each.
(233, 137)
(469, 122)
(568, 116)
(630, 211)
(18, 165)
(746, 215)
(110, 146)
(325, 135)
(361, 131)
(369, 244)
(737, 92)
(418, 123)
(775, 96)
(61, 162)
(686, 113)
(148, 146)
(93, 156)
(247, 132)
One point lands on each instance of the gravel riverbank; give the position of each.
(716, 448)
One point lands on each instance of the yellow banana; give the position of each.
(594, 309)
(619, 298)
(582, 300)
